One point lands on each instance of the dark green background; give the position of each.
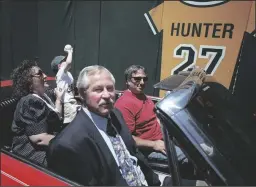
(114, 34)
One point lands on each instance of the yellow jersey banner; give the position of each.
(207, 34)
(251, 26)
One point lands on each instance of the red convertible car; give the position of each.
(214, 130)
(18, 171)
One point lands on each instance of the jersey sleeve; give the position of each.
(60, 74)
(60, 79)
(251, 26)
(154, 18)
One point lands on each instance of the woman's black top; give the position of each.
(32, 116)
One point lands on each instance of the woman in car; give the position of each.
(36, 118)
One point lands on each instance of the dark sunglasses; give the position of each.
(38, 74)
(139, 79)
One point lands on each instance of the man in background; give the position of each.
(139, 115)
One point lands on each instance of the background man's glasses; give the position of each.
(137, 79)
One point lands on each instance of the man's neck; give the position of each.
(95, 112)
(138, 95)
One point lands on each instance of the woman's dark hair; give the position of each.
(21, 78)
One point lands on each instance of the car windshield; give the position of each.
(218, 126)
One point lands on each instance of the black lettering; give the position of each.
(177, 29)
(188, 62)
(196, 29)
(183, 33)
(215, 30)
(207, 25)
(228, 28)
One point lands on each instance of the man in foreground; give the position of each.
(97, 147)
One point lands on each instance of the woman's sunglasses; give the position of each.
(38, 74)
(137, 79)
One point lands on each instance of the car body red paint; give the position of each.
(17, 173)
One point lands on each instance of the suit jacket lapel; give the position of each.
(96, 136)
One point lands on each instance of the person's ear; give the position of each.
(127, 83)
(59, 65)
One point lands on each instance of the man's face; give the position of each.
(137, 82)
(100, 95)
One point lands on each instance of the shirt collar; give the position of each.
(99, 121)
(142, 96)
